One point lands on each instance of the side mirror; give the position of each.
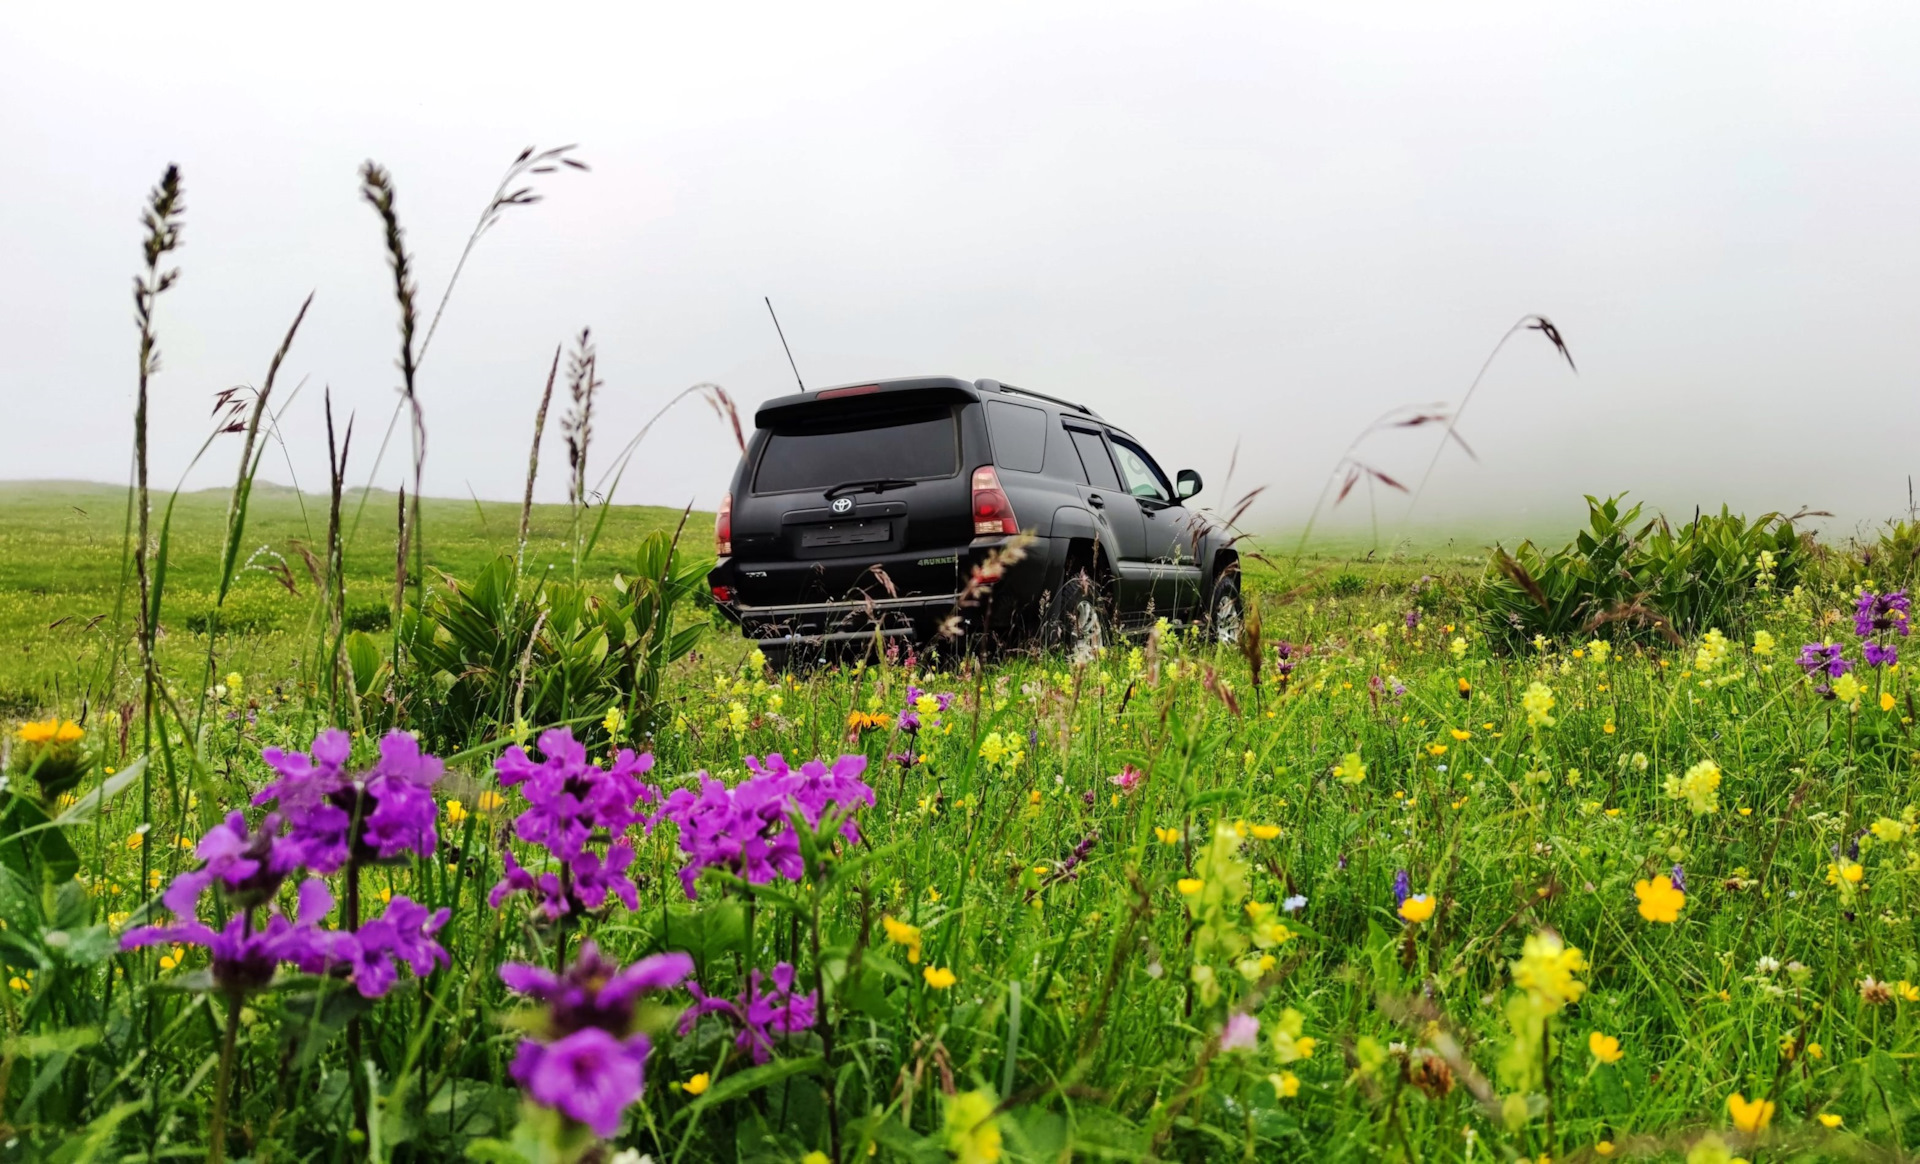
(1186, 483)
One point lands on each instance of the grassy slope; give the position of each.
(61, 558)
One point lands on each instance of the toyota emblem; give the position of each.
(843, 505)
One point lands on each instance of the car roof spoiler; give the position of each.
(793, 406)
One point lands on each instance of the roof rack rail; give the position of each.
(997, 386)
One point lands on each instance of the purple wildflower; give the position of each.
(589, 1076)
(546, 886)
(1881, 612)
(1679, 878)
(1242, 1033)
(376, 815)
(249, 865)
(909, 721)
(759, 1015)
(244, 958)
(1402, 888)
(589, 1063)
(746, 830)
(572, 799)
(405, 933)
(1816, 658)
(1413, 618)
(1882, 656)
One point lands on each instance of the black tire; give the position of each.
(1225, 609)
(1081, 620)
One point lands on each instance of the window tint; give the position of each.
(1093, 457)
(1019, 435)
(913, 445)
(1141, 474)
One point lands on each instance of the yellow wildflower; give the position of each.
(1188, 886)
(1286, 1084)
(1546, 970)
(1417, 908)
(614, 721)
(1167, 836)
(972, 1132)
(698, 1084)
(1762, 643)
(1605, 1048)
(1750, 1116)
(490, 801)
(1830, 1120)
(1847, 689)
(1350, 770)
(1700, 787)
(1265, 832)
(938, 977)
(456, 812)
(902, 934)
(1659, 900)
(1289, 1044)
(1538, 702)
(52, 731)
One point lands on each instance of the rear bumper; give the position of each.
(868, 608)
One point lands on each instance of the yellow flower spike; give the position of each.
(1605, 1048)
(1749, 1116)
(938, 977)
(698, 1084)
(1659, 900)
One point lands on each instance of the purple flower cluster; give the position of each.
(1877, 613)
(336, 816)
(759, 1014)
(746, 829)
(244, 958)
(1818, 659)
(589, 1062)
(1402, 888)
(1284, 661)
(572, 803)
(323, 815)
(1874, 617)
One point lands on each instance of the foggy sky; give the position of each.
(1218, 225)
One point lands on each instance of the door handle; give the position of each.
(1097, 501)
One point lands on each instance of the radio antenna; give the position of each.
(783, 345)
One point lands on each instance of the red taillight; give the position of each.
(835, 393)
(992, 512)
(723, 594)
(723, 529)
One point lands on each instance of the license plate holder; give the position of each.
(845, 533)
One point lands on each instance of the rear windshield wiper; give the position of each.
(881, 485)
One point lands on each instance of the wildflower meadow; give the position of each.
(514, 853)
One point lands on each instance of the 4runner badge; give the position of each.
(843, 505)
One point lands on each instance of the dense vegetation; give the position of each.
(1375, 885)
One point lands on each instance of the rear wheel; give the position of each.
(1080, 623)
(1224, 610)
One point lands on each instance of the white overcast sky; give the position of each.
(1218, 224)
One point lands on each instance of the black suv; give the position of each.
(863, 510)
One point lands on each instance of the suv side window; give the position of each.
(1142, 475)
(1094, 458)
(1019, 435)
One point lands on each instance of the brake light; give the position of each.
(723, 594)
(836, 393)
(992, 512)
(723, 529)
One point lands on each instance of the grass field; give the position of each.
(1377, 887)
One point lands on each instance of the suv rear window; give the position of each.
(910, 444)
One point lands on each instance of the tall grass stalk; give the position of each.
(533, 463)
